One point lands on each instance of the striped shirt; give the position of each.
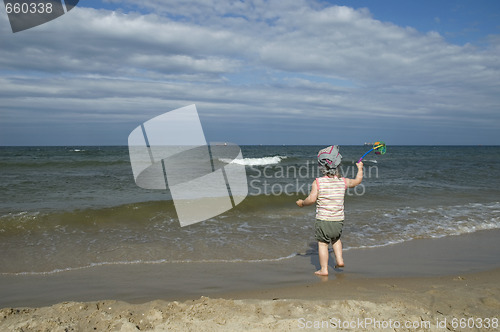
(330, 203)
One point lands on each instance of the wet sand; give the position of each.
(444, 282)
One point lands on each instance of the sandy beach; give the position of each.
(400, 304)
(422, 285)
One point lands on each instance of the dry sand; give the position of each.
(427, 304)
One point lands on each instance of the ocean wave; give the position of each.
(255, 161)
(42, 165)
(150, 262)
(127, 214)
(80, 219)
(149, 233)
(389, 226)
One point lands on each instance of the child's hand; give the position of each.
(300, 202)
(360, 165)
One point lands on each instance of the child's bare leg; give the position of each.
(337, 250)
(323, 258)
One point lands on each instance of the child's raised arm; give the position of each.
(351, 183)
(311, 199)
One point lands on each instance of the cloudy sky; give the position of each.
(259, 72)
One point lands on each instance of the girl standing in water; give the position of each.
(328, 193)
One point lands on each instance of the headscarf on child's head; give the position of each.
(329, 159)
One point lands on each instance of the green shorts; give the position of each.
(328, 231)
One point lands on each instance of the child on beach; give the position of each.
(328, 193)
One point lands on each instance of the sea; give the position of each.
(76, 207)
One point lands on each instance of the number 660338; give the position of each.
(28, 8)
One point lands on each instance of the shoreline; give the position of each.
(425, 280)
(138, 283)
(438, 303)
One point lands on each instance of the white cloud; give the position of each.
(259, 59)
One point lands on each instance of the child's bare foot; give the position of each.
(321, 273)
(339, 265)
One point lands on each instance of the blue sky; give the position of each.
(260, 72)
(459, 22)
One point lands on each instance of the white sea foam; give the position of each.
(256, 161)
(154, 262)
(405, 224)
